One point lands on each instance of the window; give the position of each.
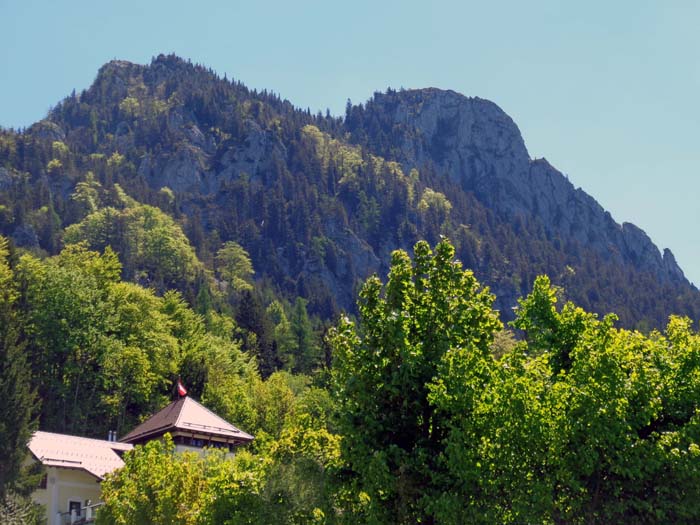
(74, 506)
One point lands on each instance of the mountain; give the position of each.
(474, 143)
(320, 202)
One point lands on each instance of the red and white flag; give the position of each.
(181, 390)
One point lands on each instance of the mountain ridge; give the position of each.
(320, 202)
(516, 187)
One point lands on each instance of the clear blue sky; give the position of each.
(606, 91)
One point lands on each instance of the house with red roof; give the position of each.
(75, 466)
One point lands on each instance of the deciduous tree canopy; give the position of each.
(433, 413)
(579, 423)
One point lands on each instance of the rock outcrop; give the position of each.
(474, 143)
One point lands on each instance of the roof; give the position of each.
(96, 456)
(186, 415)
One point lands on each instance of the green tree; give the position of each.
(17, 418)
(155, 486)
(141, 355)
(152, 246)
(16, 509)
(284, 337)
(65, 302)
(602, 423)
(422, 341)
(87, 331)
(258, 338)
(548, 330)
(87, 194)
(234, 267)
(289, 483)
(306, 351)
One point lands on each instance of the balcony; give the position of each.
(87, 514)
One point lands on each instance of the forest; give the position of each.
(388, 335)
(426, 410)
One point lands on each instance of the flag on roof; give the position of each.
(181, 390)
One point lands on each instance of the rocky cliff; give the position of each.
(474, 143)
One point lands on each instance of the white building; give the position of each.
(75, 466)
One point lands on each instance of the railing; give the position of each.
(87, 515)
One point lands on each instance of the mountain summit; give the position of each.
(320, 202)
(474, 143)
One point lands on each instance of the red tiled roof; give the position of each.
(96, 456)
(185, 415)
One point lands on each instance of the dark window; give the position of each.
(42, 483)
(74, 506)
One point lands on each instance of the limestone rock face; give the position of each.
(671, 265)
(48, 130)
(253, 156)
(114, 77)
(472, 140)
(200, 165)
(474, 143)
(182, 171)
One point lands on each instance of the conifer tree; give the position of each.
(19, 401)
(307, 354)
(259, 338)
